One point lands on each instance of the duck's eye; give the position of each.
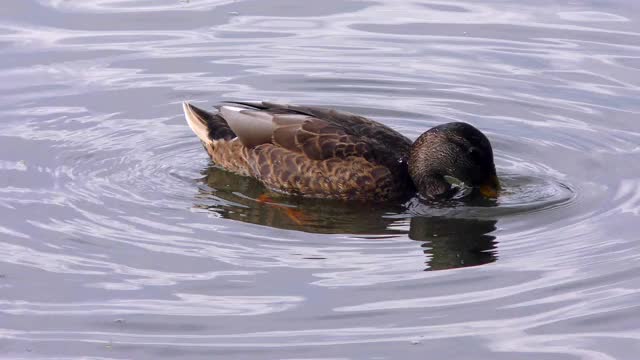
(474, 152)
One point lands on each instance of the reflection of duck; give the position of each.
(238, 198)
(455, 242)
(447, 242)
(324, 153)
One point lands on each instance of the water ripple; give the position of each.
(119, 237)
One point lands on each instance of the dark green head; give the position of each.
(453, 150)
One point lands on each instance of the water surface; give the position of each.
(119, 239)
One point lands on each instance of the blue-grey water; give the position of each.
(120, 240)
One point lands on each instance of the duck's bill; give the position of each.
(490, 189)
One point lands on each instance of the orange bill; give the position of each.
(491, 188)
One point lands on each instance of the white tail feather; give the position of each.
(198, 125)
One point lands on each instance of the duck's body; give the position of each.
(318, 152)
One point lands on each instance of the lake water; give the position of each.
(120, 240)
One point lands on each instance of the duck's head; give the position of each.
(454, 151)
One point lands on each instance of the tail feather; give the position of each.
(209, 127)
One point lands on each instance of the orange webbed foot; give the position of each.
(264, 199)
(296, 216)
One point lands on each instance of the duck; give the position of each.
(322, 152)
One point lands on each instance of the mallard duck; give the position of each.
(325, 153)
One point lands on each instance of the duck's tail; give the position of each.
(209, 127)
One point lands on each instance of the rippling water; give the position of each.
(119, 239)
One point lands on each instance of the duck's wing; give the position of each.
(316, 138)
(319, 133)
(351, 124)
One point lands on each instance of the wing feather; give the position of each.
(253, 127)
(318, 133)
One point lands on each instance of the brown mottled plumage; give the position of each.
(325, 153)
